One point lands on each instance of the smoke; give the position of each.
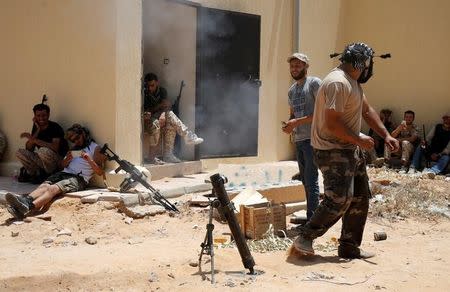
(215, 59)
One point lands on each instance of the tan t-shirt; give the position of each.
(343, 94)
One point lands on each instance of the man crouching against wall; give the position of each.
(158, 117)
(337, 143)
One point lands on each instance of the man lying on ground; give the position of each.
(75, 176)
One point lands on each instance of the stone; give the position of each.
(153, 277)
(91, 240)
(193, 264)
(142, 211)
(171, 275)
(128, 220)
(48, 240)
(64, 231)
(90, 199)
(14, 233)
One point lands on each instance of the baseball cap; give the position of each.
(300, 56)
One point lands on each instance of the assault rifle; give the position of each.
(424, 145)
(136, 176)
(176, 104)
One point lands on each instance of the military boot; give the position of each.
(304, 245)
(21, 204)
(169, 143)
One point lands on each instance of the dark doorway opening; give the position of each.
(227, 83)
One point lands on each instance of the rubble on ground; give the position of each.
(398, 196)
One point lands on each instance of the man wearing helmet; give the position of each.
(335, 136)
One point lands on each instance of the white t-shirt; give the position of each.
(343, 94)
(79, 166)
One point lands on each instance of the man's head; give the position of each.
(41, 114)
(79, 136)
(409, 116)
(151, 82)
(360, 57)
(298, 64)
(385, 115)
(446, 119)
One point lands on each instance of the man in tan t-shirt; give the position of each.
(335, 136)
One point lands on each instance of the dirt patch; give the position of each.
(159, 253)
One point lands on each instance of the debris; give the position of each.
(18, 222)
(171, 275)
(193, 264)
(138, 211)
(44, 217)
(229, 283)
(128, 220)
(153, 277)
(135, 240)
(64, 231)
(380, 235)
(48, 240)
(91, 240)
(195, 226)
(14, 233)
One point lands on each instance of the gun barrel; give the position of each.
(218, 181)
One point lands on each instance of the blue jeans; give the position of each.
(440, 165)
(308, 175)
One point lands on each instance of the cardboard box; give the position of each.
(256, 219)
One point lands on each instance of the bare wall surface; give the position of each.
(128, 80)
(66, 49)
(414, 32)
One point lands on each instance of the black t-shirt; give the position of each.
(53, 131)
(152, 100)
(440, 139)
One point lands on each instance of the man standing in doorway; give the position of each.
(302, 96)
(338, 143)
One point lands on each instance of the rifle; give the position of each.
(176, 104)
(136, 176)
(425, 147)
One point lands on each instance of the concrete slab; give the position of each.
(174, 169)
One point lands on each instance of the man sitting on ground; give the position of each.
(406, 134)
(44, 149)
(75, 176)
(436, 148)
(386, 118)
(158, 117)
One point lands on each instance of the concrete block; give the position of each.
(294, 207)
(110, 197)
(89, 199)
(174, 169)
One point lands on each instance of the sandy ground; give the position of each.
(155, 253)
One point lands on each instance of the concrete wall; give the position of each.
(276, 46)
(169, 32)
(414, 32)
(85, 55)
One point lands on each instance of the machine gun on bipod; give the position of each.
(135, 177)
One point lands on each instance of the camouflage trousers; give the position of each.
(346, 196)
(406, 149)
(173, 126)
(42, 158)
